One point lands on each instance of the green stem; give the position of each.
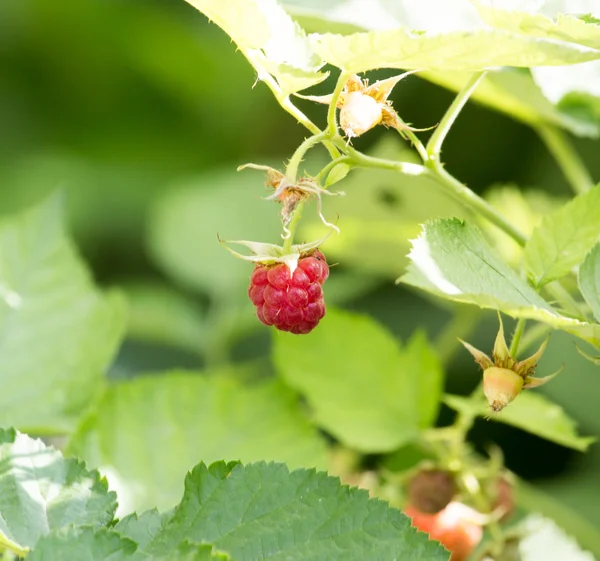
(304, 120)
(434, 146)
(292, 227)
(332, 124)
(566, 157)
(516, 338)
(533, 335)
(416, 143)
(471, 200)
(292, 168)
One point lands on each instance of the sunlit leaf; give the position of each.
(363, 388)
(146, 433)
(40, 491)
(531, 412)
(453, 260)
(273, 43)
(563, 27)
(264, 511)
(58, 333)
(563, 238)
(400, 48)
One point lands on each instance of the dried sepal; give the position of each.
(531, 382)
(528, 365)
(480, 357)
(501, 353)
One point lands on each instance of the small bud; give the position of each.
(501, 386)
(431, 490)
(504, 498)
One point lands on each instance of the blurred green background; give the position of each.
(141, 111)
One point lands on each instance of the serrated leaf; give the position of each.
(452, 259)
(142, 528)
(563, 238)
(400, 48)
(264, 511)
(40, 491)
(589, 280)
(84, 544)
(58, 333)
(88, 544)
(363, 388)
(533, 413)
(146, 433)
(273, 43)
(563, 27)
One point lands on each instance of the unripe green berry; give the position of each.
(501, 386)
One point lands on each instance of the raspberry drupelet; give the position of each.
(290, 302)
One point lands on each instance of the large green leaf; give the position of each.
(273, 43)
(589, 280)
(401, 48)
(58, 333)
(563, 238)
(363, 388)
(146, 433)
(533, 413)
(40, 491)
(264, 511)
(453, 260)
(564, 27)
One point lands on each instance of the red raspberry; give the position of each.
(289, 302)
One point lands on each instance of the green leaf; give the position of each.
(452, 259)
(40, 491)
(401, 48)
(363, 388)
(589, 280)
(564, 27)
(58, 333)
(158, 313)
(142, 528)
(84, 544)
(146, 433)
(337, 174)
(563, 238)
(533, 413)
(185, 222)
(268, 37)
(264, 511)
(377, 222)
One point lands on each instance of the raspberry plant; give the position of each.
(347, 396)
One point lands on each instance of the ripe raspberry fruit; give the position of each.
(290, 302)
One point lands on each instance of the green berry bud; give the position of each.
(501, 386)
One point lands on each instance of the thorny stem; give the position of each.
(434, 146)
(416, 143)
(566, 157)
(516, 338)
(292, 168)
